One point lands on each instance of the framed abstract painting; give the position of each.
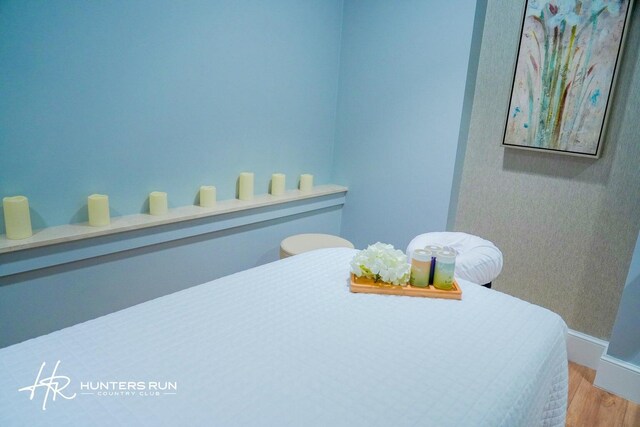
(564, 75)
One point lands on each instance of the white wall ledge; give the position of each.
(74, 232)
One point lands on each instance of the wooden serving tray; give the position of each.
(368, 286)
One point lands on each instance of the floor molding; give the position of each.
(618, 377)
(613, 375)
(584, 349)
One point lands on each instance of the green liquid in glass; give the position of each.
(420, 274)
(443, 276)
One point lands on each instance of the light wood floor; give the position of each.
(588, 406)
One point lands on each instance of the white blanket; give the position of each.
(287, 344)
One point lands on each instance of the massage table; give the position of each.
(287, 344)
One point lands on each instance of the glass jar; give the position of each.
(434, 250)
(420, 268)
(444, 269)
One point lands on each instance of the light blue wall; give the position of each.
(625, 336)
(402, 83)
(45, 300)
(126, 97)
(634, 268)
(467, 108)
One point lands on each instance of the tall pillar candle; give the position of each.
(17, 219)
(207, 196)
(245, 186)
(306, 182)
(158, 204)
(98, 205)
(277, 184)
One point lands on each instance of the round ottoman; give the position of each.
(300, 243)
(478, 260)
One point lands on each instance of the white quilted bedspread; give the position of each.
(287, 344)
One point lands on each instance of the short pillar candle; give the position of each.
(245, 186)
(158, 204)
(277, 184)
(98, 205)
(17, 219)
(306, 182)
(207, 196)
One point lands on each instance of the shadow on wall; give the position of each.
(625, 339)
(557, 166)
(271, 255)
(37, 222)
(82, 214)
(267, 251)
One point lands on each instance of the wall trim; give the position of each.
(584, 349)
(65, 252)
(619, 377)
(73, 232)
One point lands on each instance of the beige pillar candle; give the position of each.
(17, 219)
(245, 186)
(98, 210)
(277, 184)
(207, 196)
(158, 204)
(306, 182)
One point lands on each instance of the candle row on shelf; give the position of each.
(17, 218)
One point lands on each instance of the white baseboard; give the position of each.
(619, 377)
(584, 349)
(613, 375)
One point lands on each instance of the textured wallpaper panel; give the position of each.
(566, 225)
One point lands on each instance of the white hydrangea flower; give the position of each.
(382, 263)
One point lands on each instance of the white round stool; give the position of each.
(300, 243)
(478, 260)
